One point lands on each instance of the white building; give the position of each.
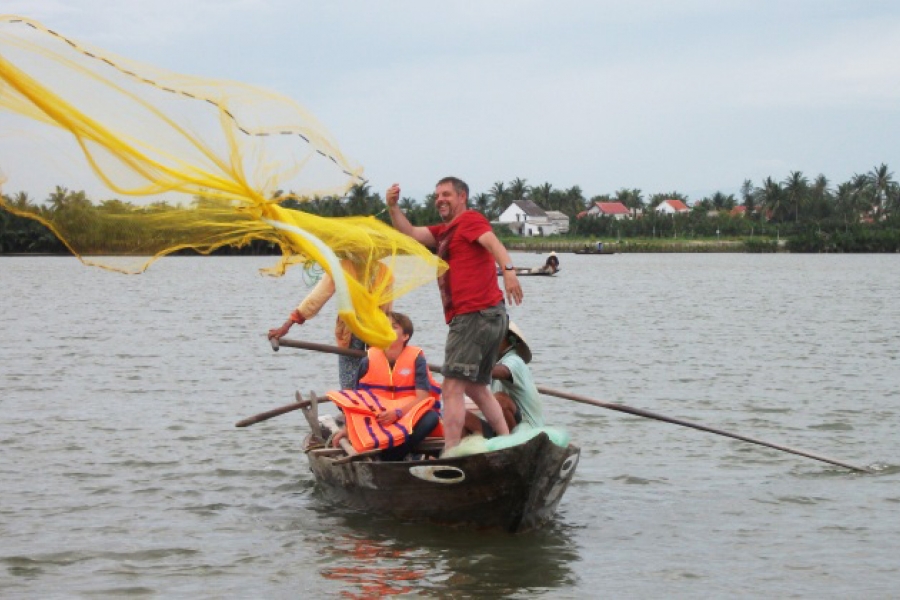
(525, 218)
(671, 207)
(616, 210)
(560, 219)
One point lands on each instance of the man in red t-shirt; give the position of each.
(473, 302)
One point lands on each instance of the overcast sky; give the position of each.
(693, 96)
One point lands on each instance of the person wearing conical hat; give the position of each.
(513, 386)
(552, 262)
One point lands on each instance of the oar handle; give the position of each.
(277, 343)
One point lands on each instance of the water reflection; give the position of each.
(376, 556)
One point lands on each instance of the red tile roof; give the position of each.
(677, 205)
(613, 208)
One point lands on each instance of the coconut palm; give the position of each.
(518, 189)
(358, 200)
(881, 184)
(482, 203)
(796, 192)
(863, 194)
(502, 198)
(573, 201)
(771, 198)
(542, 195)
(748, 197)
(849, 202)
(58, 198)
(821, 202)
(631, 198)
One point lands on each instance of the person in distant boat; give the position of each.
(348, 366)
(395, 404)
(473, 302)
(513, 386)
(552, 262)
(551, 265)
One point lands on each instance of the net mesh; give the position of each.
(203, 163)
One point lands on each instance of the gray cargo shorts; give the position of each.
(473, 343)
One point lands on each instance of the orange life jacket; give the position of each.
(384, 389)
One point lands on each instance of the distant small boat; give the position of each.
(599, 249)
(526, 272)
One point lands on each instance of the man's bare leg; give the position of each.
(481, 395)
(453, 410)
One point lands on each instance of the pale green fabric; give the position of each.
(476, 444)
(521, 389)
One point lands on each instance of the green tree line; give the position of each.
(859, 215)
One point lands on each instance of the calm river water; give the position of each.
(122, 474)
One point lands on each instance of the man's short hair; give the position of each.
(458, 184)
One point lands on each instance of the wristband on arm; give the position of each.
(297, 318)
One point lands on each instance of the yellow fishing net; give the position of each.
(204, 164)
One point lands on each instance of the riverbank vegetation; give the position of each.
(795, 214)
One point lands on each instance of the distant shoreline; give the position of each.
(640, 245)
(561, 246)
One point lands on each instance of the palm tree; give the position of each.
(748, 196)
(482, 203)
(358, 199)
(882, 184)
(518, 189)
(631, 198)
(796, 188)
(21, 201)
(58, 198)
(501, 197)
(573, 201)
(847, 203)
(820, 199)
(746, 190)
(542, 195)
(770, 197)
(720, 201)
(863, 198)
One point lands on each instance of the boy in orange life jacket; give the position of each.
(403, 389)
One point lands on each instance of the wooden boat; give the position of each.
(516, 489)
(526, 272)
(593, 250)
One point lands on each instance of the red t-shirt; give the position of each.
(470, 283)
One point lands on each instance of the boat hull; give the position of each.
(516, 489)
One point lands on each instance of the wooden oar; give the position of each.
(265, 416)
(276, 344)
(585, 400)
(650, 415)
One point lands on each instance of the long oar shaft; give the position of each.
(276, 343)
(651, 415)
(585, 400)
(265, 416)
